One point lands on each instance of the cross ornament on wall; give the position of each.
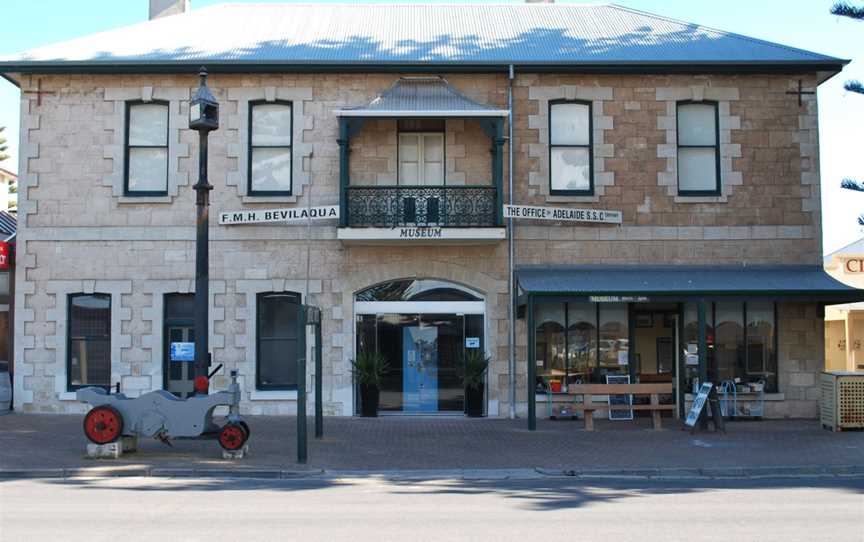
(38, 92)
(800, 92)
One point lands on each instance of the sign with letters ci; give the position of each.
(565, 214)
(182, 351)
(294, 214)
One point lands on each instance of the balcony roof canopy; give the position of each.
(422, 97)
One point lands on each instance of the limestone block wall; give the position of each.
(76, 232)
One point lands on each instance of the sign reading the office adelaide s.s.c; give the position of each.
(565, 214)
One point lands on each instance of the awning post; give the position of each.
(532, 368)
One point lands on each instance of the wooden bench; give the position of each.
(586, 391)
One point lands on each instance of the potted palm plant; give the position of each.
(368, 369)
(473, 375)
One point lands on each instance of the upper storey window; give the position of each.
(421, 152)
(698, 149)
(146, 149)
(270, 148)
(570, 156)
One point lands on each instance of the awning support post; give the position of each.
(701, 319)
(532, 368)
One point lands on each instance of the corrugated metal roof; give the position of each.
(764, 280)
(412, 34)
(423, 95)
(8, 224)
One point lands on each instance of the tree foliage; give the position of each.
(845, 9)
(3, 146)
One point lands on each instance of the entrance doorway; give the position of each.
(655, 348)
(178, 371)
(423, 328)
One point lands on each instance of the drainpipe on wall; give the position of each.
(511, 255)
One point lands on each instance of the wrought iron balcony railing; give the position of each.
(441, 206)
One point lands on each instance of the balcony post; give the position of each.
(344, 144)
(498, 171)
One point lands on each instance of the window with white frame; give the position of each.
(698, 149)
(570, 148)
(146, 149)
(421, 158)
(270, 141)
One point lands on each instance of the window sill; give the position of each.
(700, 199)
(274, 395)
(144, 199)
(572, 199)
(269, 199)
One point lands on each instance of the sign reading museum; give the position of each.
(562, 213)
(259, 216)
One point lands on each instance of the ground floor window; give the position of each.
(577, 343)
(277, 340)
(89, 341)
(742, 342)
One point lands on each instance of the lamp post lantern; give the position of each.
(203, 117)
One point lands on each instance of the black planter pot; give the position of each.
(474, 402)
(368, 400)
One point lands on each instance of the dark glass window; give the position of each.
(146, 171)
(747, 353)
(570, 148)
(698, 149)
(270, 143)
(89, 341)
(278, 341)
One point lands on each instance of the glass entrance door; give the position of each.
(424, 353)
(655, 349)
(181, 373)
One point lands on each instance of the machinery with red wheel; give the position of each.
(163, 416)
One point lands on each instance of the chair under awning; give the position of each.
(642, 283)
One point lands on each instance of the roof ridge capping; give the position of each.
(819, 56)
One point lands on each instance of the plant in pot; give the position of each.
(473, 375)
(368, 369)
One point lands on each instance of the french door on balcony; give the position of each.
(421, 159)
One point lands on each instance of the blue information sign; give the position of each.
(182, 352)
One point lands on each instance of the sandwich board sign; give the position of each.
(625, 400)
(698, 404)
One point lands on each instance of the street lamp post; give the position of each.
(203, 117)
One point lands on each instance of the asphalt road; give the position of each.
(377, 509)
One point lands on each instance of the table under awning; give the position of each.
(676, 282)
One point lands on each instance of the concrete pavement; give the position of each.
(53, 446)
(370, 508)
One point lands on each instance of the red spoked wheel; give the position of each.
(103, 424)
(232, 437)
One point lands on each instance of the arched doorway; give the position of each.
(423, 327)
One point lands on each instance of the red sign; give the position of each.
(5, 255)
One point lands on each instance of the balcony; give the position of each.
(419, 196)
(422, 206)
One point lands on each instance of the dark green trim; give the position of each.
(302, 438)
(803, 296)
(623, 67)
(250, 148)
(126, 148)
(498, 170)
(589, 146)
(716, 146)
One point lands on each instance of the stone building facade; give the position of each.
(80, 233)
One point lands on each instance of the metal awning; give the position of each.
(800, 282)
(422, 97)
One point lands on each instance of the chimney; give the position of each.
(164, 8)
